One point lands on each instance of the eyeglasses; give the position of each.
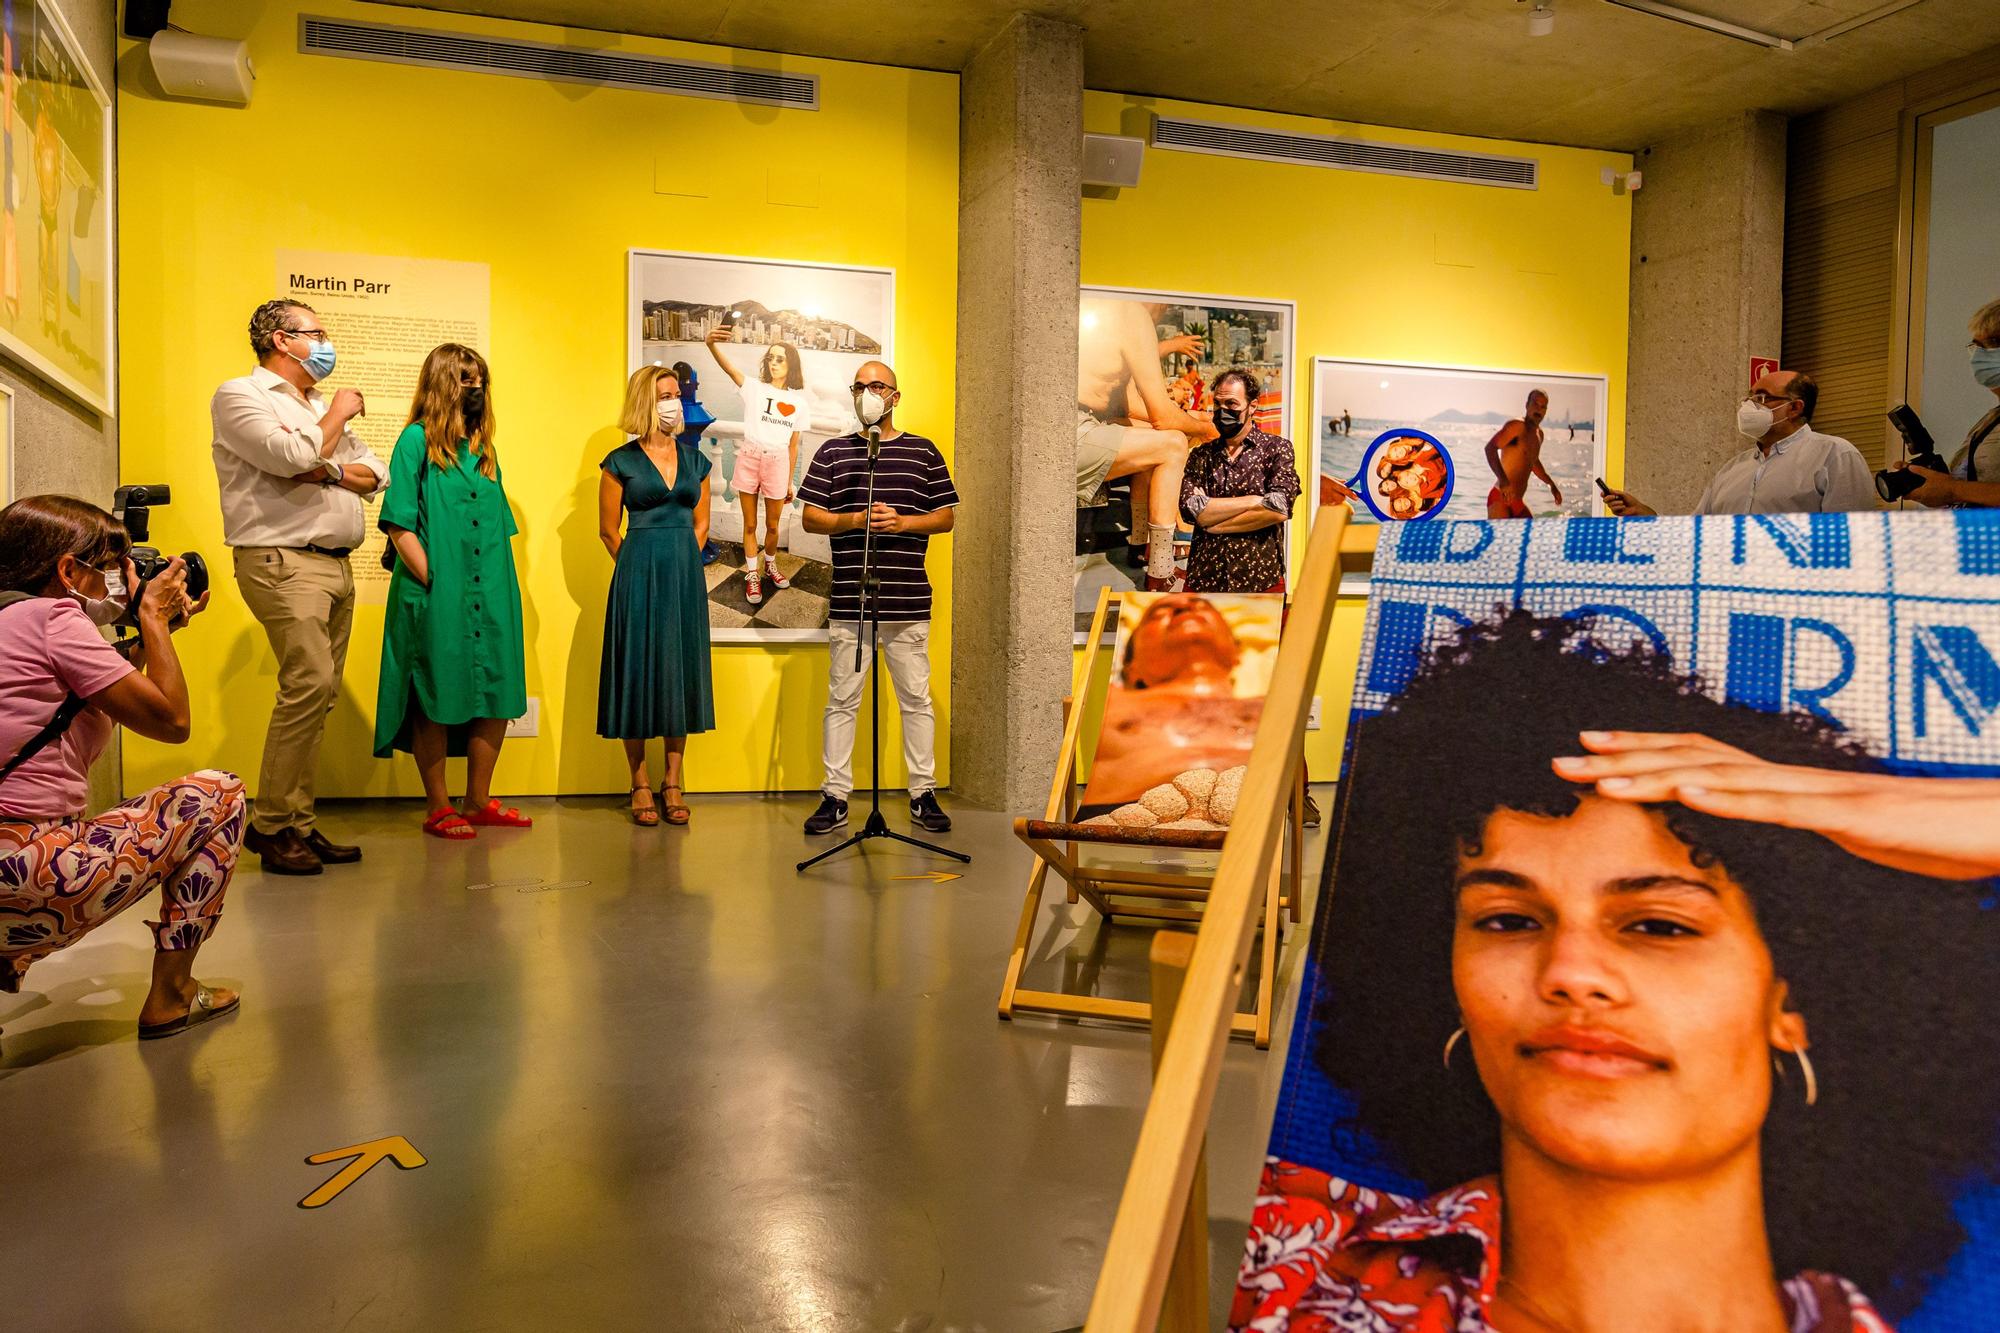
(877, 385)
(304, 333)
(1771, 399)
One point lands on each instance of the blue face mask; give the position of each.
(320, 363)
(1986, 366)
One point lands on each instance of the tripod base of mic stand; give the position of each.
(877, 827)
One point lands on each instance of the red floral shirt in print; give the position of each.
(1325, 1256)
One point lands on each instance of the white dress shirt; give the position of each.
(266, 433)
(1804, 473)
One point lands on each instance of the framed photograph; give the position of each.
(737, 328)
(56, 265)
(1456, 411)
(1146, 362)
(1637, 914)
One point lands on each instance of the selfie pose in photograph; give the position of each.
(776, 408)
(1663, 1016)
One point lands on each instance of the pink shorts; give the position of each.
(765, 472)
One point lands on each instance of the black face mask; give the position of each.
(473, 404)
(1227, 421)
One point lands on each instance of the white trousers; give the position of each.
(907, 649)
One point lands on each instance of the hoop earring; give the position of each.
(1452, 1041)
(1805, 1068)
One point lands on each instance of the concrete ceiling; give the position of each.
(1606, 78)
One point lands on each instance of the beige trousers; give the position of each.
(305, 602)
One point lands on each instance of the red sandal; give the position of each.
(448, 823)
(492, 816)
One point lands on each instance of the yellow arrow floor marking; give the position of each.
(934, 876)
(395, 1148)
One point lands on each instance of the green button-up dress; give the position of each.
(454, 649)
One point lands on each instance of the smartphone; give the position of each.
(1601, 486)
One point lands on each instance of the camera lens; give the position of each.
(197, 574)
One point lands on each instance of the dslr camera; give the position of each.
(1892, 484)
(133, 506)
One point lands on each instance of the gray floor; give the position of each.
(661, 1082)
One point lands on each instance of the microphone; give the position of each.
(874, 443)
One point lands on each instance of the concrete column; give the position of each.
(1708, 231)
(1019, 225)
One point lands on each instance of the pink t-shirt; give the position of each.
(49, 650)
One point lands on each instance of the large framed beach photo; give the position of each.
(56, 272)
(830, 318)
(1462, 408)
(1146, 364)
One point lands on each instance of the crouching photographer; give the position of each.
(1972, 478)
(65, 567)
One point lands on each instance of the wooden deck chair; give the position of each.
(1076, 853)
(1133, 1285)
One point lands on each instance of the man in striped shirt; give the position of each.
(913, 499)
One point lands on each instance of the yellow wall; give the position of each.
(550, 184)
(1381, 267)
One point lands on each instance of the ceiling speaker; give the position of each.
(208, 69)
(1111, 159)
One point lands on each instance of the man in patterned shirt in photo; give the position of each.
(1239, 489)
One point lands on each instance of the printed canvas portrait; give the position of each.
(1657, 946)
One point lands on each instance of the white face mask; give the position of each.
(871, 407)
(1753, 419)
(670, 414)
(105, 610)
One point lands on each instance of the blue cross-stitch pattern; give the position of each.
(1886, 625)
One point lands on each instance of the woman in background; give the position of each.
(1974, 480)
(453, 665)
(776, 408)
(64, 571)
(654, 678)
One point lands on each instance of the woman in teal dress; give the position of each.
(453, 664)
(654, 677)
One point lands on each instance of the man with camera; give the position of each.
(293, 478)
(1972, 479)
(1790, 468)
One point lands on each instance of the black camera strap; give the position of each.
(1978, 437)
(66, 712)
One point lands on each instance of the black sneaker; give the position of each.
(926, 813)
(831, 815)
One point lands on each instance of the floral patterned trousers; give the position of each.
(60, 879)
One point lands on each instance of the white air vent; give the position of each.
(1325, 150)
(541, 60)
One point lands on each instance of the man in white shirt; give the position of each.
(1791, 469)
(292, 478)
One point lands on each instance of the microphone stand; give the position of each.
(871, 590)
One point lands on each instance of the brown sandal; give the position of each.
(677, 814)
(648, 817)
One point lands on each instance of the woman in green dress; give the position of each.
(654, 678)
(453, 664)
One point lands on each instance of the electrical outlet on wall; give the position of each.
(530, 722)
(1312, 718)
